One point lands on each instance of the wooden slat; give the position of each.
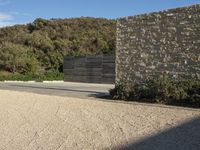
(108, 68)
(68, 66)
(88, 79)
(68, 71)
(108, 75)
(108, 80)
(88, 71)
(80, 62)
(93, 65)
(68, 63)
(108, 59)
(94, 58)
(91, 69)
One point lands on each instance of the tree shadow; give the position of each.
(101, 95)
(183, 137)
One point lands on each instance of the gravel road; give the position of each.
(42, 122)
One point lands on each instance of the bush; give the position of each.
(162, 90)
(119, 92)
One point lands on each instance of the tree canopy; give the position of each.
(41, 46)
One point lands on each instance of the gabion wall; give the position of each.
(156, 44)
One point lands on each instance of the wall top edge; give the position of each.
(196, 6)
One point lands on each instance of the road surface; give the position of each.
(79, 90)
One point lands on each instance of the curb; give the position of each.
(148, 104)
(59, 81)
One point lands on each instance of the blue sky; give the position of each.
(25, 11)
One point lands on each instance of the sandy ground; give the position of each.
(32, 121)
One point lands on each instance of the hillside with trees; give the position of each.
(38, 48)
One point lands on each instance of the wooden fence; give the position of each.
(90, 69)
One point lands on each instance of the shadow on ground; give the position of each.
(83, 92)
(183, 137)
(101, 95)
(60, 89)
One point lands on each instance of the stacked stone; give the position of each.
(160, 43)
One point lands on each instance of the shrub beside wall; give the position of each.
(163, 90)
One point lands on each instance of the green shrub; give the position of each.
(119, 92)
(49, 76)
(162, 90)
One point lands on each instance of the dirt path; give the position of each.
(31, 121)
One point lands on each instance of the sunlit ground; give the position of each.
(32, 121)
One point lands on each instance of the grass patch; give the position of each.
(6, 76)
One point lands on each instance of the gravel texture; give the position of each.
(32, 121)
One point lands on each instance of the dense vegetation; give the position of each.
(162, 90)
(38, 48)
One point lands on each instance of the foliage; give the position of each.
(6, 76)
(17, 58)
(40, 46)
(162, 90)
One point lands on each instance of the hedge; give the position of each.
(163, 90)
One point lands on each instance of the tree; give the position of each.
(15, 58)
(41, 46)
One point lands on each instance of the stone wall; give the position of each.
(151, 45)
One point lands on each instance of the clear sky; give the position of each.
(25, 11)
